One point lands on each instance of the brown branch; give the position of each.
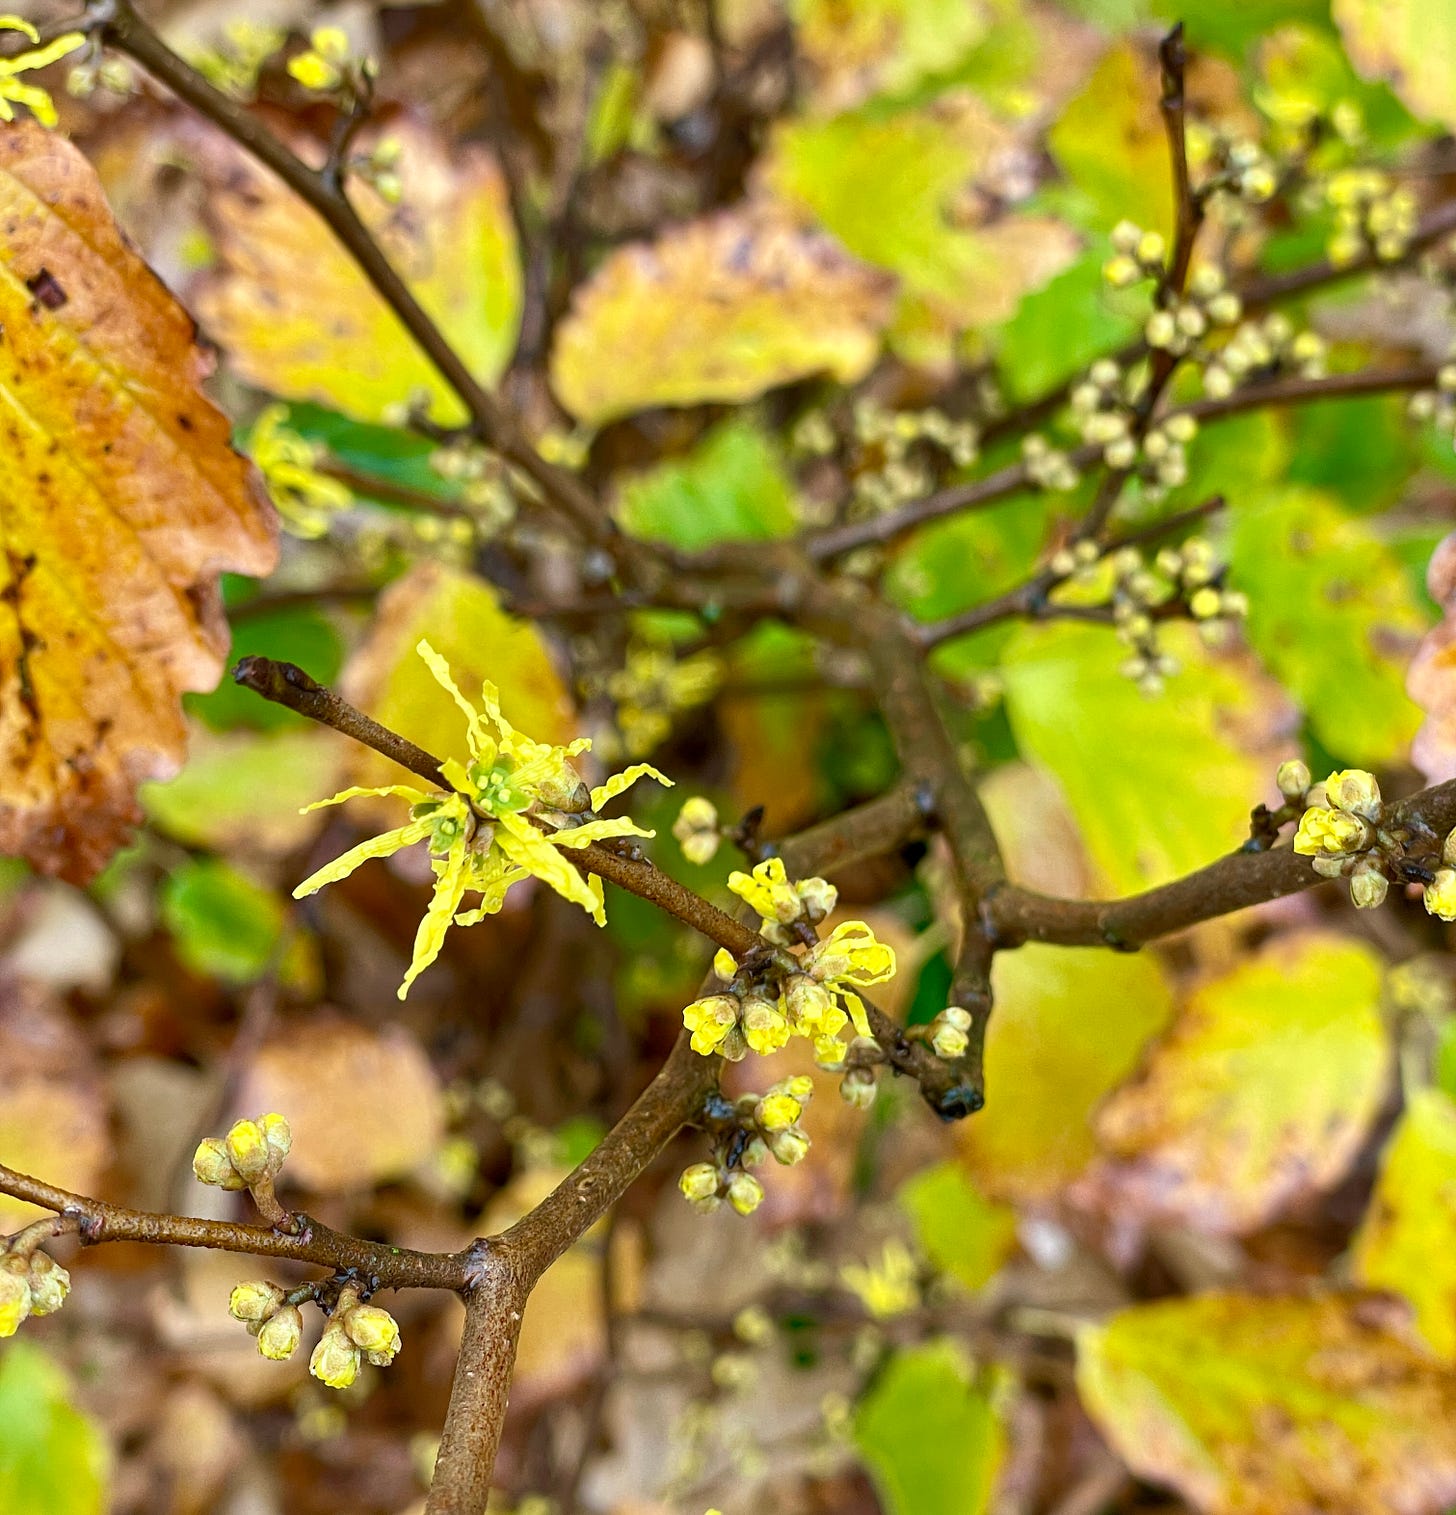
(97, 1221)
(117, 23)
(1005, 482)
(1230, 884)
(1029, 599)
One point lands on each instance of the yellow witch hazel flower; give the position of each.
(13, 90)
(306, 499)
(509, 813)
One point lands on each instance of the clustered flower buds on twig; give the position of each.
(31, 1283)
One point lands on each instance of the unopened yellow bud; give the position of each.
(789, 1146)
(745, 1193)
(375, 1332)
(1440, 898)
(279, 1336)
(49, 1285)
(14, 1295)
(248, 1150)
(335, 1359)
(777, 1112)
(212, 1165)
(699, 1182)
(949, 1042)
(254, 1301)
(1293, 779)
(1368, 889)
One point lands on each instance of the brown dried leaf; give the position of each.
(123, 503)
(365, 1108)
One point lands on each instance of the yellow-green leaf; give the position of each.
(1262, 1092)
(122, 502)
(464, 622)
(720, 309)
(1110, 142)
(1407, 1241)
(298, 318)
(1333, 615)
(1069, 1027)
(53, 1459)
(888, 187)
(1159, 785)
(1273, 1406)
(930, 1434)
(1411, 44)
(963, 1234)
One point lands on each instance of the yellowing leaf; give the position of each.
(365, 1108)
(716, 310)
(1270, 1406)
(1333, 616)
(860, 48)
(1159, 785)
(1262, 1092)
(1411, 44)
(465, 624)
(1407, 1241)
(1431, 679)
(53, 1458)
(122, 502)
(1068, 1027)
(1110, 142)
(298, 318)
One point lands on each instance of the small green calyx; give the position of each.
(494, 791)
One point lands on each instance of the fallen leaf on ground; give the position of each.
(124, 501)
(365, 1108)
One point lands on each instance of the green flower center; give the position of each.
(494, 791)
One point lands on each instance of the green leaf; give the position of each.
(53, 1459)
(1262, 1093)
(1068, 1028)
(929, 1434)
(1361, 450)
(732, 487)
(243, 790)
(1251, 1405)
(1235, 28)
(224, 924)
(1333, 614)
(885, 185)
(1060, 329)
(962, 1233)
(1159, 785)
(1407, 1241)
(293, 634)
(1111, 144)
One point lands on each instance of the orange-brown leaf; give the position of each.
(123, 503)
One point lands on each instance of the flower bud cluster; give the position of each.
(1101, 413)
(1438, 405)
(270, 1316)
(252, 1153)
(705, 1186)
(1340, 829)
(653, 685)
(485, 486)
(356, 1333)
(697, 831)
(1207, 305)
(858, 1084)
(757, 1126)
(31, 1283)
(1136, 255)
(1263, 349)
(949, 1033)
(1048, 466)
(1372, 216)
(902, 454)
